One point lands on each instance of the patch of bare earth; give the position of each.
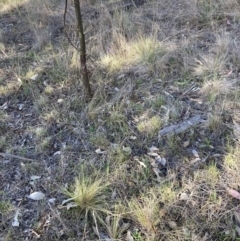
(156, 151)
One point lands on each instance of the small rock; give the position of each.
(36, 196)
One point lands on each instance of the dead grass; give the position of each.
(114, 225)
(149, 126)
(141, 52)
(151, 67)
(8, 5)
(145, 212)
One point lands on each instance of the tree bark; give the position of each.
(84, 71)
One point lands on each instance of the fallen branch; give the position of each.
(179, 128)
(7, 155)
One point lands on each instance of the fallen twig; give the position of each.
(3, 53)
(188, 90)
(179, 128)
(7, 155)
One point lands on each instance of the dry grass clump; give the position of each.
(115, 226)
(145, 212)
(215, 123)
(210, 175)
(167, 193)
(150, 125)
(211, 66)
(88, 194)
(11, 87)
(231, 159)
(219, 88)
(231, 167)
(8, 5)
(127, 54)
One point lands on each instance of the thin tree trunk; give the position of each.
(84, 71)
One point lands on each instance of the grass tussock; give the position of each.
(150, 126)
(8, 5)
(89, 194)
(114, 224)
(145, 212)
(128, 54)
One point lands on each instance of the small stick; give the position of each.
(4, 53)
(7, 155)
(188, 90)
